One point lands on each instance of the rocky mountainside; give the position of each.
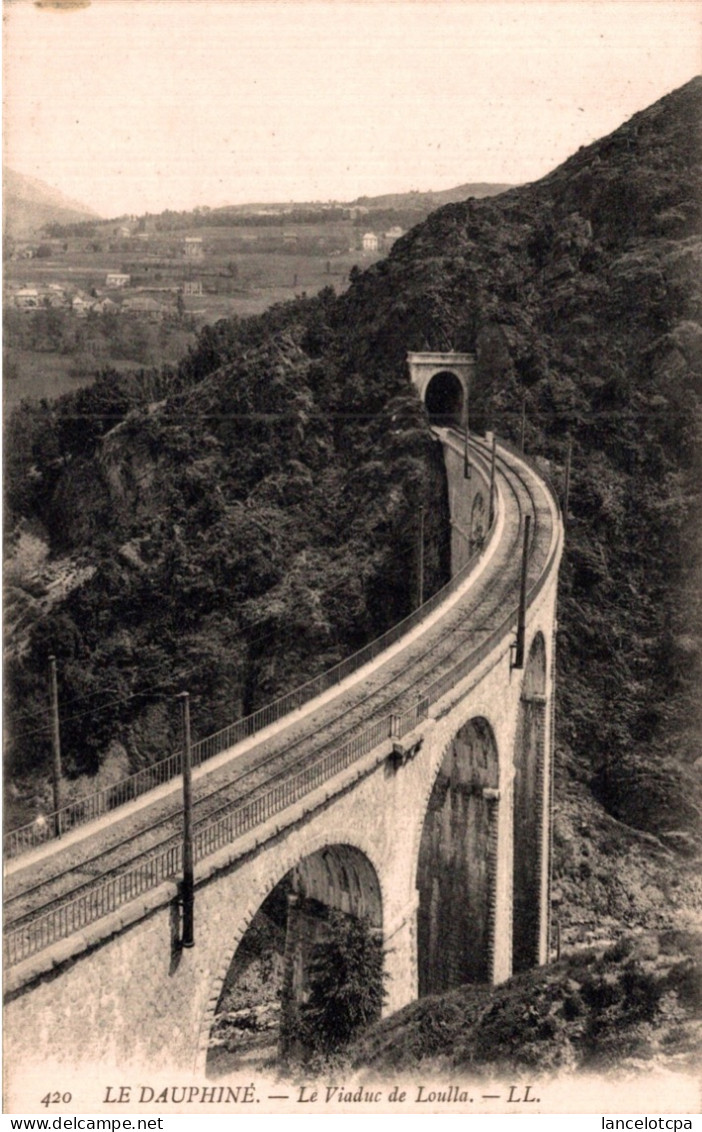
(250, 518)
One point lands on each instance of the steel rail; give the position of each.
(109, 798)
(283, 772)
(249, 772)
(69, 917)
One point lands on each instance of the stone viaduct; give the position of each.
(437, 831)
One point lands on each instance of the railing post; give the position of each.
(55, 747)
(491, 516)
(188, 892)
(518, 661)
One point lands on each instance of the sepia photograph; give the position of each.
(352, 465)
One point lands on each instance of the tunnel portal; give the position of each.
(442, 380)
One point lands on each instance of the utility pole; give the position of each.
(522, 429)
(566, 489)
(420, 558)
(491, 516)
(466, 461)
(55, 746)
(188, 891)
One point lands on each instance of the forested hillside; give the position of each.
(245, 521)
(233, 529)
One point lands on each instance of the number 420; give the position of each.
(56, 1098)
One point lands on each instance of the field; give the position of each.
(243, 270)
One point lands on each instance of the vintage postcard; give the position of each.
(351, 389)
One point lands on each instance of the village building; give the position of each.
(105, 306)
(81, 304)
(193, 247)
(55, 296)
(393, 234)
(370, 242)
(144, 307)
(27, 298)
(117, 279)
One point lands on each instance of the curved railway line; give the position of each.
(39, 891)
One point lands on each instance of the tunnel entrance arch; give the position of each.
(445, 399)
(442, 380)
(528, 803)
(268, 975)
(456, 865)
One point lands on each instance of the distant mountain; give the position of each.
(430, 200)
(29, 204)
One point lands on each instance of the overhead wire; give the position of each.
(116, 703)
(99, 691)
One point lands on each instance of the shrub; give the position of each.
(346, 985)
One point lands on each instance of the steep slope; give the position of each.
(29, 204)
(234, 538)
(633, 1008)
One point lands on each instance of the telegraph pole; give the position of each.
(55, 746)
(522, 430)
(188, 891)
(466, 461)
(566, 489)
(420, 558)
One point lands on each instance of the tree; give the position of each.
(346, 985)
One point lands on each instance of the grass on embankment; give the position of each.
(636, 1005)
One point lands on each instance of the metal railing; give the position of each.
(100, 802)
(38, 933)
(25, 940)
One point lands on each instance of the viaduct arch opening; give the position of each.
(269, 974)
(456, 866)
(528, 810)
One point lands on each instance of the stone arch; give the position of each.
(342, 872)
(444, 398)
(341, 877)
(528, 809)
(456, 863)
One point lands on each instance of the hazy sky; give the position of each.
(140, 105)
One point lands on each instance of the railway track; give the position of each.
(133, 841)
